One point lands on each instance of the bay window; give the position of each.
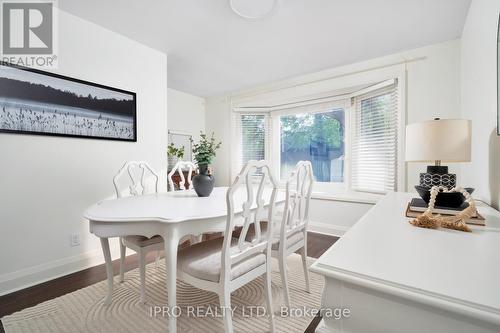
(352, 142)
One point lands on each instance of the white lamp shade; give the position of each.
(446, 140)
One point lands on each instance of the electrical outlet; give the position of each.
(75, 240)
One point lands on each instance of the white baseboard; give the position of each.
(34, 275)
(327, 228)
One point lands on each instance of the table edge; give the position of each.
(158, 219)
(448, 303)
(147, 219)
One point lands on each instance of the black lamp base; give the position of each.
(437, 169)
(438, 175)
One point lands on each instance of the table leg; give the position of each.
(109, 269)
(171, 243)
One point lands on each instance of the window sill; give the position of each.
(348, 196)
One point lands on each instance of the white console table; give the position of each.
(394, 277)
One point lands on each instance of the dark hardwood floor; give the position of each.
(317, 244)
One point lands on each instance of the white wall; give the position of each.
(218, 120)
(433, 90)
(186, 112)
(479, 98)
(48, 182)
(335, 216)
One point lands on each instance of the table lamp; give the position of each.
(438, 140)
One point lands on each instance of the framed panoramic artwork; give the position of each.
(42, 103)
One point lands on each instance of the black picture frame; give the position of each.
(116, 117)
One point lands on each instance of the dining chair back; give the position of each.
(294, 222)
(253, 179)
(141, 180)
(137, 174)
(298, 197)
(179, 167)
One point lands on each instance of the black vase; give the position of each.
(203, 182)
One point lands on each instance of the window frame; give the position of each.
(400, 81)
(275, 150)
(357, 100)
(237, 135)
(266, 134)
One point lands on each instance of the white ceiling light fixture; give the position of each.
(254, 9)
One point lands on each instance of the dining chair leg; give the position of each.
(269, 296)
(157, 259)
(123, 251)
(109, 269)
(303, 253)
(225, 304)
(284, 279)
(142, 272)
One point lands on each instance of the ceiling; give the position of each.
(212, 51)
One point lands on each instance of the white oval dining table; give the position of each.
(171, 215)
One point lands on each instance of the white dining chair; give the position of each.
(141, 179)
(184, 184)
(226, 264)
(179, 168)
(293, 223)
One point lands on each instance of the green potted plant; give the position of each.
(204, 152)
(174, 154)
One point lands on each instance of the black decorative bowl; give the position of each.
(450, 199)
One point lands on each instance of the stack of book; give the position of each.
(417, 206)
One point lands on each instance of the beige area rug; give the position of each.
(83, 310)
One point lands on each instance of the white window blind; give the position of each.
(375, 141)
(253, 129)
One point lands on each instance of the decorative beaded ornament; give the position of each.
(456, 222)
